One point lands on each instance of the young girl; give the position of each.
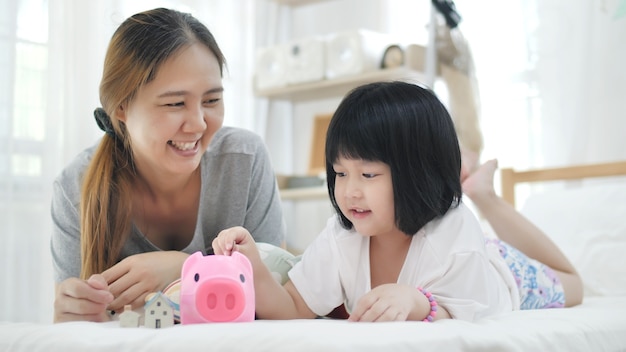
(403, 246)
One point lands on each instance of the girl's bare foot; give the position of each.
(478, 186)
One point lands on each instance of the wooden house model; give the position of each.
(158, 312)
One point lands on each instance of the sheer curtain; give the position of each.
(551, 76)
(51, 56)
(552, 79)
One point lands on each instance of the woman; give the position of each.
(166, 177)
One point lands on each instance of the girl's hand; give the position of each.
(77, 299)
(391, 302)
(132, 279)
(237, 239)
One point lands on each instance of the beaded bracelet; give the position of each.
(433, 305)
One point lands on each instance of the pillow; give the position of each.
(589, 226)
(278, 260)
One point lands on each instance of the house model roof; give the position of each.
(159, 296)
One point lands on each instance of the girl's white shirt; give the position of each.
(447, 257)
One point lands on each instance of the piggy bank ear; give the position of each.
(243, 261)
(190, 262)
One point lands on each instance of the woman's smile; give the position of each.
(185, 148)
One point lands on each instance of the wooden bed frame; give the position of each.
(510, 177)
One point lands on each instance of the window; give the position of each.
(22, 118)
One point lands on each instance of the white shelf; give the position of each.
(296, 3)
(304, 193)
(339, 86)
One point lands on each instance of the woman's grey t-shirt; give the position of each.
(238, 189)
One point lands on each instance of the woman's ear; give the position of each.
(121, 113)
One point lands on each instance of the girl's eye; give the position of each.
(369, 175)
(180, 103)
(340, 174)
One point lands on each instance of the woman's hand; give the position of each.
(391, 302)
(132, 279)
(87, 300)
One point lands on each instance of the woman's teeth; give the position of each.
(183, 145)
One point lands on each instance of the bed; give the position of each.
(583, 217)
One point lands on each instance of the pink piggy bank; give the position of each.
(216, 288)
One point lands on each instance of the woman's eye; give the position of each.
(340, 174)
(369, 175)
(211, 101)
(180, 103)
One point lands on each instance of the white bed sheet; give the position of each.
(599, 324)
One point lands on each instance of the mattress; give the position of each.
(599, 324)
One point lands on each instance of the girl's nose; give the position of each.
(353, 189)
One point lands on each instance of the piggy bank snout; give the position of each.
(220, 299)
